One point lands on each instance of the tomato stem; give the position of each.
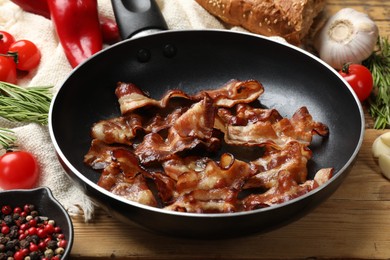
(345, 68)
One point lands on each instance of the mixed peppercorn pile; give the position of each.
(25, 234)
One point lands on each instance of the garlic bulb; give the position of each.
(381, 151)
(348, 36)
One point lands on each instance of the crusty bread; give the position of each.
(290, 19)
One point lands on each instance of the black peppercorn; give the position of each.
(8, 219)
(24, 243)
(10, 245)
(34, 255)
(52, 244)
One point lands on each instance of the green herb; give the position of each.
(20, 104)
(379, 65)
(7, 138)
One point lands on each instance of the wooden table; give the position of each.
(353, 223)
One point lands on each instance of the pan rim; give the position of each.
(208, 215)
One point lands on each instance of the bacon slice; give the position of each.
(121, 173)
(292, 158)
(234, 92)
(276, 131)
(204, 185)
(192, 128)
(130, 98)
(285, 189)
(120, 130)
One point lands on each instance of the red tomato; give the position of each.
(18, 170)
(110, 31)
(8, 69)
(28, 54)
(359, 78)
(6, 39)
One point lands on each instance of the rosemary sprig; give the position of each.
(7, 138)
(20, 104)
(379, 65)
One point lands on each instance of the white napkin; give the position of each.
(53, 70)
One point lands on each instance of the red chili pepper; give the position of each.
(34, 6)
(78, 28)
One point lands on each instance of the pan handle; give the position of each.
(134, 16)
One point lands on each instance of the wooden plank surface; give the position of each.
(353, 223)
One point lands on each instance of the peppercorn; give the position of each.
(59, 251)
(24, 243)
(8, 219)
(49, 253)
(34, 213)
(52, 244)
(15, 216)
(13, 232)
(10, 245)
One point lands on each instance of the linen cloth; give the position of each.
(53, 70)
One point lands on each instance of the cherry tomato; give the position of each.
(28, 54)
(18, 170)
(6, 39)
(110, 31)
(8, 69)
(359, 78)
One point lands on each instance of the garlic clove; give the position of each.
(347, 36)
(380, 147)
(384, 164)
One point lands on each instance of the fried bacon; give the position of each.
(234, 92)
(122, 174)
(194, 127)
(285, 189)
(130, 97)
(120, 130)
(163, 152)
(253, 126)
(292, 158)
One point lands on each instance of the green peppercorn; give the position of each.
(49, 253)
(59, 251)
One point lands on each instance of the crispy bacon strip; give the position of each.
(130, 98)
(121, 130)
(234, 92)
(292, 158)
(206, 185)
(121, 173)
(256, 130)
(192, 128)
(286, 189)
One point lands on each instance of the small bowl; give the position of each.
(45, 203)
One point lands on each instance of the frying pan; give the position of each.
(192, 60)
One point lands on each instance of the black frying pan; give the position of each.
(204, 59)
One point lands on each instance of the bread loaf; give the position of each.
(290, 19)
